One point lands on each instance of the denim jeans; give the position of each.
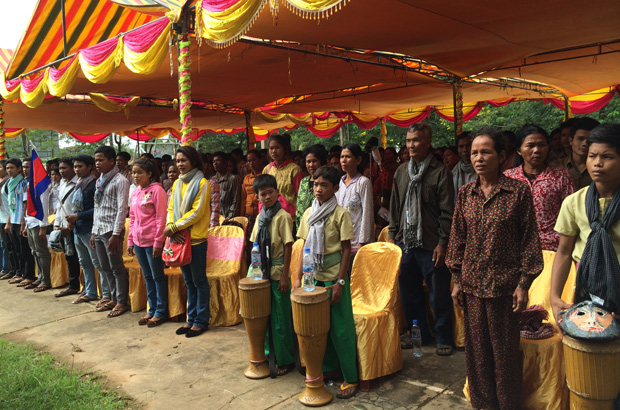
(41, 254)
(416, 267)
(156, 281)
(24, 261)
(5, 251)
(198, 292)
(113, 267)
(89, 261)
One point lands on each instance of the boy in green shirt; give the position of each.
(327, 230)
(274, 233)
(589, 228)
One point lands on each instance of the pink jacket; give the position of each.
(147, 216)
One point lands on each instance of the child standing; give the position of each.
(589, 228)
(147, 220)
(274, 234)
(287, 173)
(327, 230)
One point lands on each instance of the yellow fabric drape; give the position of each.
(373, 293)
(108, 105)
(63, 85)
(13, 134)
(271, 118)
(223, 28)
(35, 97)
(147, 62)
(6, 94)
(102, 73)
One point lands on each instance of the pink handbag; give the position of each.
(178, 254)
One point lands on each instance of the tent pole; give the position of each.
(457, 100)
(249, 129)
(567, 113)
(2, 131)
(64, 29)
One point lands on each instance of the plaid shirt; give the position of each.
(111, 212)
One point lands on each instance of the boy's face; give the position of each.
(324, 189)
(579, 143)
(103, 163)
(603, 163)
(268, 196)
(12, 170)
(81, 169)
(26, 167)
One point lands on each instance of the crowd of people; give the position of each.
(471, 220)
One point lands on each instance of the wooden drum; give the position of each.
(255, 302)
(311, 322)
(592, 373)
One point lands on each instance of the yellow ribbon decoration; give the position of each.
(108, 105)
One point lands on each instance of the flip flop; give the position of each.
(444, 347)
(16, 279)
(41, 288)
(102, 301)
(155, 323)
(27, 282)
(82, 299)
(144, 320)
(341, 394)
(117, 311)
(108, 306)
(66, 292)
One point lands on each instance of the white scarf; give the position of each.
(316, 232)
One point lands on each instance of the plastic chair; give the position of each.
(224, 255)
(374, 289)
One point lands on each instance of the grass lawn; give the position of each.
(30, 379)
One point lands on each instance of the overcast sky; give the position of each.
(14, 18)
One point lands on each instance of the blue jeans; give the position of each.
(198, 292)
(88, 261)
(416, 267)
(156, 281)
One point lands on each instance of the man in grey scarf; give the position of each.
(421, 208)
(463, 172)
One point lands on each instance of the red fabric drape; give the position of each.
(88, 138)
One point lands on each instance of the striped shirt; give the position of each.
(111, 212)
(215, 203)
(230, 194)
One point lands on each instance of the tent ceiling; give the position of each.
(518, 39)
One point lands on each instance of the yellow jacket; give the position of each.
(198, 217)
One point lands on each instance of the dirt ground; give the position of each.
(161, 370)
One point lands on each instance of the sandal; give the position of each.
(28, 282)
(281, 371)
(406, 342)
(66, 292)
(444, 350)
(342, 392)
(6, 276)
(82, 299)
(155, 323)
(16, 279)
(117, 311)
(108, 306)
(144, 320)
(41, 288)
(103, 301)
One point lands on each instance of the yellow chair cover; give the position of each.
(544, 374)
(137, 287)
(296, 258)
(242, 220)
(374, 293)
(384, 235)
(224, 254)
(59, 271)
(177, 292)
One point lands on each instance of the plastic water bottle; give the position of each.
(257, 272)
(308, 279)
(416, 338)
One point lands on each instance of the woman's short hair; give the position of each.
(148, 165)
(495, 135)
(529, 129)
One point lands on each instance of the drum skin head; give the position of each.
(587, 320)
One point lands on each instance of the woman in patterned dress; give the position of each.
(494, 255)
(550, 184)
(314, 157)
(288, 174)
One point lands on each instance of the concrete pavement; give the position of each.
(161, 370)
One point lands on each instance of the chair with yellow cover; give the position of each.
(242, 220)
(398, 305)
(544, 382)
(59, 271)
(374, 289)
(384, 235)
(295, 258)
(224, 255)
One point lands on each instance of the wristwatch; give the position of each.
(341, 282)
